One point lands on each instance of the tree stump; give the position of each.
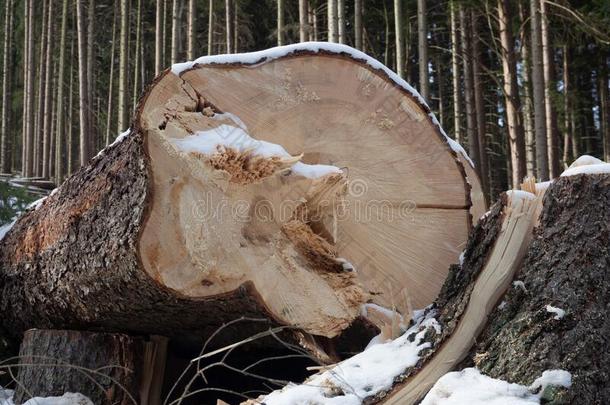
(107, 368)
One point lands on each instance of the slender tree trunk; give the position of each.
(552, 131)
(28, 119)
(123, 64)
(386, 50)
(333, 31)
(228, 25)
(70, 129)
(400, 41)
(341, 21)
(422, 41)
(82, 85)
(59, 129)
(512, 101)
(6, 143)
(280, 22)
(530, 147)
(137, 60)
(455, 67)
(53, 120)
(303, 26)
(567, 106)
(92, 127)
(471, 123)
(111, 80)
(190, 55)
(313, 13)
(174, 45)
(159, 37)
(358, 24)
(604, 108)
(479, 103)
(40, 96)
(210, 27)
(235, 25)
(47, 116)
(542, 161)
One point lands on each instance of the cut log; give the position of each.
(249, 185)
(104, 367)
(433, 347)
(556, 253)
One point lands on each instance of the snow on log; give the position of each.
(294, 184)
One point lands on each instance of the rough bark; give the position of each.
(567, 267)
(104, 367)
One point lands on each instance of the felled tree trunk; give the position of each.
(107, 368)
(249, 186)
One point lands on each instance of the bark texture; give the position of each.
(58, 280)
(567, 266)
(104, 367)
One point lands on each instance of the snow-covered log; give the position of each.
(249, 185)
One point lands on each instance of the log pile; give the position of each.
(299, 186)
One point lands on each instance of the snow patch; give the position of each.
(516, 195)
(520, 284)
(229, 137)
(590, 169)
(557, 378)
(471, 387)
(361, 376)
(118, 140)
(559, 313)
(254, 58)
(502, 305)
(587, 165)
(69, 398)
(543, 186)
(5, 228)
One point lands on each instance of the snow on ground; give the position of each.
(254, 58)
(559, 313)
(6, 398)
(470, 387)
(361, 376)
(229, 137)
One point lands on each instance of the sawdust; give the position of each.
(245, 167)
